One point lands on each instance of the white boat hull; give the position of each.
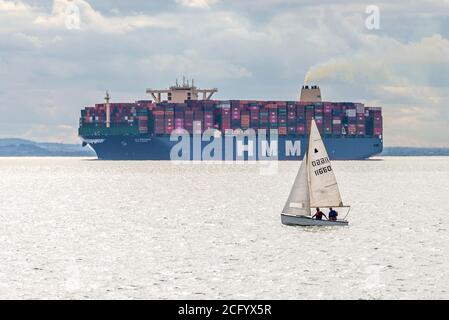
(291, 220)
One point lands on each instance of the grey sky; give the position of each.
(248, 49)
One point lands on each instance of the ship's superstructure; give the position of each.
(181, 93)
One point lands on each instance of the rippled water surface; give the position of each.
(81, 228)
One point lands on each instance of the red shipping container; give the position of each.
(361, 129)
(282, 131)
(245, 121)
(281, 103)
(159, 130)
(377, 131)
(352, 129)
(255, 114)
(226, 115)
(225, 126)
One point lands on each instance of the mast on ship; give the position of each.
(179, 93)
(108, 109)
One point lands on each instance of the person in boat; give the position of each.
(319, 214)
(333, 214)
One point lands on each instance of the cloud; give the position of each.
(409, 80)
(13, 7)
(51, 133)
(388, 61)
(191, 63)
(19, 41)
(248, 49)
(203, 4)
(93, 20)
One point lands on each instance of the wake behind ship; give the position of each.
(185, 127)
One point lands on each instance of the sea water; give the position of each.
(73, 228)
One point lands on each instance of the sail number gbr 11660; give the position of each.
(319, 162)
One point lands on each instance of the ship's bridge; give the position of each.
(182, 92)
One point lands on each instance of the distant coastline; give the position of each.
(414, 152)
(28, 148)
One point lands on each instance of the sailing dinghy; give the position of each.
(315, 186)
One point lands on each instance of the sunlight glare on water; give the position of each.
(82, 228)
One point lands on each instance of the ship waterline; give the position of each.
(284, 148)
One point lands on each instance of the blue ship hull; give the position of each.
(161, 148)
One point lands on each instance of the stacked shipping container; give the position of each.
(289, 117)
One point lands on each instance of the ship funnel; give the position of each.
(310, 93)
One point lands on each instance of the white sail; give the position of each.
(298, 202)
(322, 183)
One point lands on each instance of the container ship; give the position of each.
(183, 122)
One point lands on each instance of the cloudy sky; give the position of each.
(261, 49)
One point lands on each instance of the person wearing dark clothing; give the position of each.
(319, 214)
(333, 214)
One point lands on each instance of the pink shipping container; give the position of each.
(179, 123)
(236, 113)
(273, 116)
(361, 129)
(352, 129)
(301, 129)
(208, 120)
(360, 118)
(226, 115)
(255, 115)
